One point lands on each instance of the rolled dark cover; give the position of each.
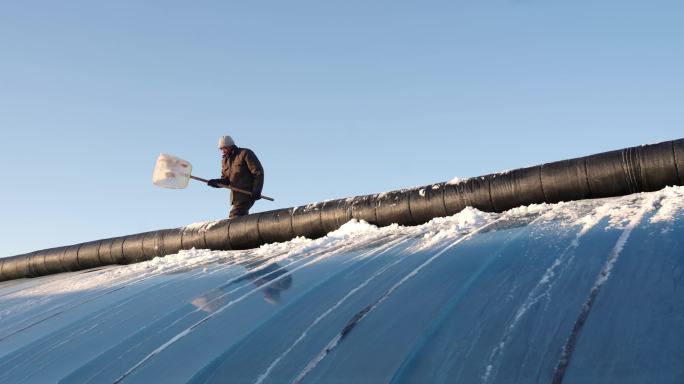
(36, 262)
(173, 240)
(104, 252)
(426, 203)
(16, 267)
(276, 226)
(657, 166)
(69, 258)
(244, 232)
(393, 208)
(193, 237)
(473, 192)
(52, 260)
(636, 169)
(117, 250)
(678, 153)
(215, 237)
(133, 249)
(335, 213)
(565, 180)
(153, 244)
(515, 188)
(306, 221)
(454, 201)
(363, 208)
(88, 255)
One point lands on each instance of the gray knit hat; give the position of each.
(225, 142)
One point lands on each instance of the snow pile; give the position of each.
(441, 229)
(671, 205)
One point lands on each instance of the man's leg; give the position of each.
(241, 209)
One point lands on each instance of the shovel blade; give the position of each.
(171, 172)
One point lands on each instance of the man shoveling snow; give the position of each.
(240, 168)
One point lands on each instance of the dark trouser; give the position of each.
(241, 209)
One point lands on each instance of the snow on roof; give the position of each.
(475, 297)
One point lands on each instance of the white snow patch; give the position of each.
(440, 229)
(671, 205)
(528, 209)
(352, 228)
(200, 225)
(457, 180)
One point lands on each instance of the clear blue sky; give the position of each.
(337, 98)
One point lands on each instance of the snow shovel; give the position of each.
(175, 173)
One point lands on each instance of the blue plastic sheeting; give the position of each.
(581, 292)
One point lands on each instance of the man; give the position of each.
(240, 168)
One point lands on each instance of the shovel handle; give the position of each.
(232, 188)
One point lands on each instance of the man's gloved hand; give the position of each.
(256, 196)
(215, 182)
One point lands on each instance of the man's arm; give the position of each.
(257, 171)
(215, 183)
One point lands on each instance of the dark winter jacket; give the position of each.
(243, 169)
